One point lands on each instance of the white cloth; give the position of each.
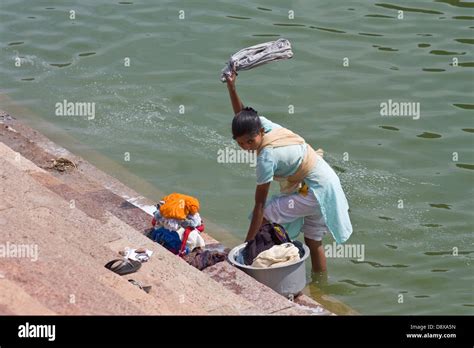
(277, 255)
(193, 220)
(170, 224)
(254, 56)
(194, 239)
(287, 208)
(143, 255)
(174, 224)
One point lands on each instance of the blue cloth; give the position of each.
(169, 239)
(322, 180)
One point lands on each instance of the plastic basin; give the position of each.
(287, 280)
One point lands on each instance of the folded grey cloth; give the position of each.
(253, 56)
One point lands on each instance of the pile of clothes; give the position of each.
(271, 247)
(177, 224)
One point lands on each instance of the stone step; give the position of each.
(103, 198)
(73, 247)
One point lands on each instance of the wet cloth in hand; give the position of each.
(253, 56)
(278, 255)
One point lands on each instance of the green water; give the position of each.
(380, 160)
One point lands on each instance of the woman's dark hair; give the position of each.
(245, 122)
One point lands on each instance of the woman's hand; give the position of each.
(231, 79)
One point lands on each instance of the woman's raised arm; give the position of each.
(234, 97)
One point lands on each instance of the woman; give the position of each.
(312, 201)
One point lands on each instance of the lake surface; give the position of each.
(409, 180)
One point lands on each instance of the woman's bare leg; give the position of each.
(318, 258)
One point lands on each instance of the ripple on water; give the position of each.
(289, 25)
(464, 17)
(369, 34)
(423, 45)
(390, 128)
(465, 166)
(86, 54)
(379, 265)
(433, 70)
(466, 41)
(238, 17)
(428, 135)
(16, 43)
(379, 16)
(408, 9)
(266, 35)
(465, 106)
(381, 48)
(465, 64)
(432, 225)
(328, 29)
(440, 205)
(457, 3)
(60, 65)
(450, 252)
(446, 53)
(338, 169)
(358, 284)
(386, 218)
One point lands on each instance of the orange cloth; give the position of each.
(178, 206)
